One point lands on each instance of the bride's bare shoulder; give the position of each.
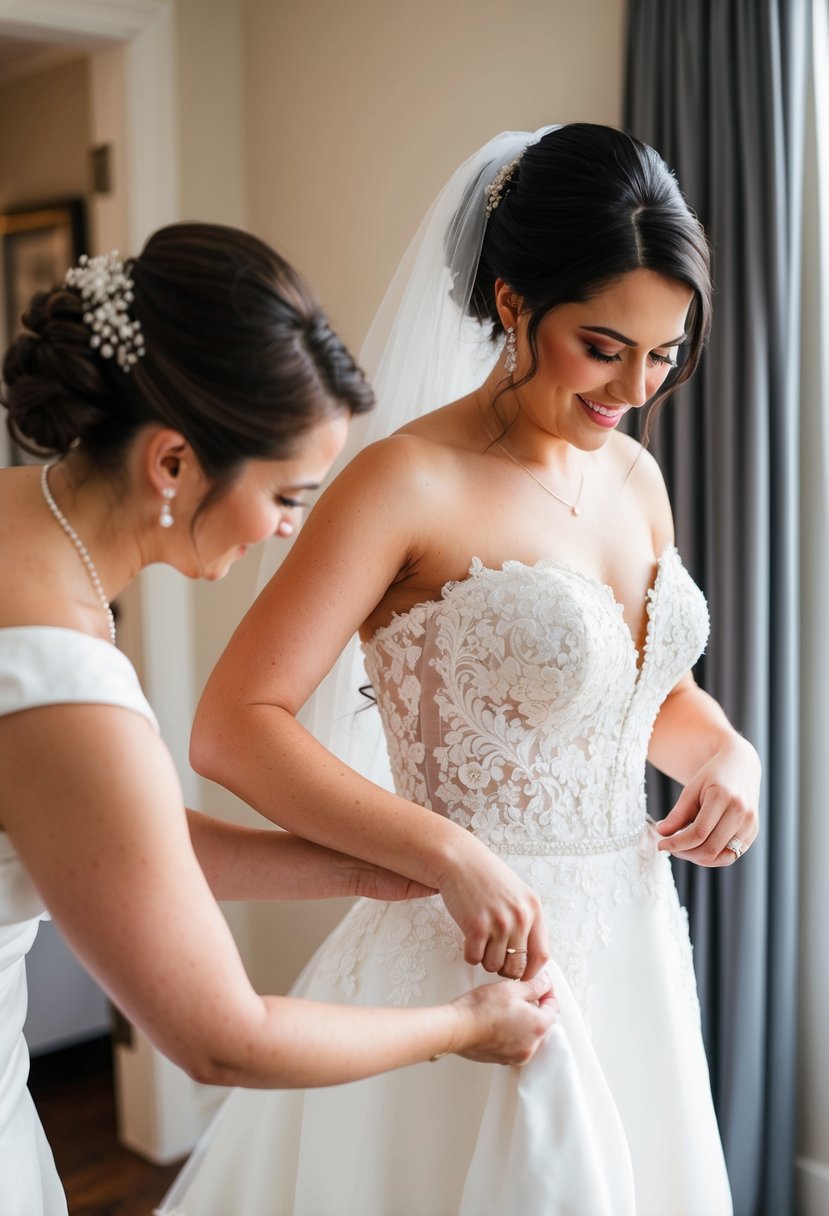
(453, 425)
(436, 440)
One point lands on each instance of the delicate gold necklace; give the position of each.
(572, 507)
(83, 552)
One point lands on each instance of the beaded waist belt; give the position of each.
(566, 848)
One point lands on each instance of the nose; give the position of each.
(631, 385)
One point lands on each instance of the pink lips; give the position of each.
(606, 421)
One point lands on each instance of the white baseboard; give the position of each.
(812, 1187)
(161, 1111)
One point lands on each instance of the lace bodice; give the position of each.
(518, 706)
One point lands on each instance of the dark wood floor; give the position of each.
(73, 1092)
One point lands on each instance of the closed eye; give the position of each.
(291, 504)
(654, 356)
(595, 353)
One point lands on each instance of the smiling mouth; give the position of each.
(604, 410)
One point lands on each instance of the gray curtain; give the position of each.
(717, 86)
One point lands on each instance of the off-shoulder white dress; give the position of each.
(38, 666)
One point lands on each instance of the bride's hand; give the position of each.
(507, 1021)
(717, 806)
(498, 914)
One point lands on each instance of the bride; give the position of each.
(528, 629)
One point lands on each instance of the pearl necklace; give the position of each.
(83, 552)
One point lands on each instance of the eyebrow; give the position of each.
(301, 485)
(613, 333)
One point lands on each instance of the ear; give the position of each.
(508, 303)
(169, 461)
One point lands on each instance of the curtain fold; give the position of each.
(719, 88)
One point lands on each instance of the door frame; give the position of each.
(132, 48)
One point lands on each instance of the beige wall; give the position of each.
(356, 113)
(213, 186)
(211, 117)
(44, 135)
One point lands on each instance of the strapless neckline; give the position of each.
(424, 608)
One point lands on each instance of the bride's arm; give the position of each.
(264, 863)
(694, 743)
(385, 506)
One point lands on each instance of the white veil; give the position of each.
(421, 351)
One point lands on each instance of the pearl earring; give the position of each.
(510, 357)
(166, 516)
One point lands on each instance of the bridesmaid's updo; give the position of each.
(584, 205)
(238, 357)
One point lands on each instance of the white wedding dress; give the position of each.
(39, 666)
(518, 706)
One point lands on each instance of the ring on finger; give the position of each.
(736, 846)
(513, 950)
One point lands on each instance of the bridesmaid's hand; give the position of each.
(507, 1022)
(499, 916)
(718, 804)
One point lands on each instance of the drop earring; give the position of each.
(510, 357)
(166, 517)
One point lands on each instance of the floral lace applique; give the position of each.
(581, 898)
(515, 705)
(404, 949)
(400, 936)
(346, 947)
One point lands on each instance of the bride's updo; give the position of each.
(238, 357)
(584, 205)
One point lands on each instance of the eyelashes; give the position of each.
(601, 357)
(291, 504)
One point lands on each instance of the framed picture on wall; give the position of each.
(37, 247)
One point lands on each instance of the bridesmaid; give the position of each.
(193, 399)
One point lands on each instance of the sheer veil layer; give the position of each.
(421, 351)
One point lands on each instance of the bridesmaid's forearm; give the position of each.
(302, 1044)
(266, 863)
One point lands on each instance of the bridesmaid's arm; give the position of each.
(252, 863)
(694, 743)
(90, 799)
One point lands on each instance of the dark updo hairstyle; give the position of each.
(239, 359)
(585, 205)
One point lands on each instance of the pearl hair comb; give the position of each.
(106, 290)
(497, 187)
